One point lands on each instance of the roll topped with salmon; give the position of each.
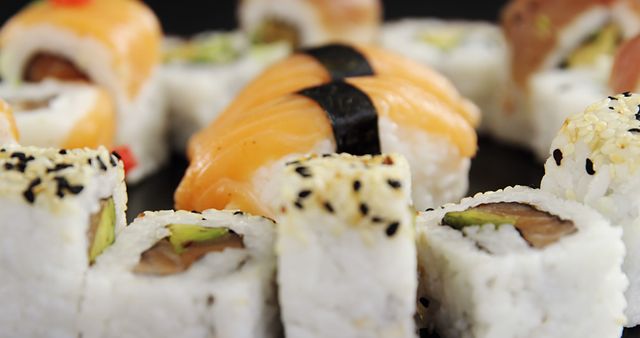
(114, 44)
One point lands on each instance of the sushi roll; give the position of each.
(337, 61)
(59, 210)
(519, 263)
(8, 130)
(238, 166)
(183, 274)
(203, 74)
(52, 114)
(572, 38)
(346, 248)
(304, 23)
(114, 44)
(593, 160)
(473, 55)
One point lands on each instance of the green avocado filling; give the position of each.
(185, 245)
(102, 232)
(538, 228)
(604, 42)
(210, 50)
(444, 39)
(277, 30)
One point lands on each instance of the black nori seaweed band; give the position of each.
(341, 61)
(353, 117)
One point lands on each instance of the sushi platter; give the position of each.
(320, 169)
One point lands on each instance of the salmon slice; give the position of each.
(300, 71)
(97, 127)
(223, 163)
(626, 68)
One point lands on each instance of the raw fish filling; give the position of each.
(29, 105)
(46, 66)
(277, 30)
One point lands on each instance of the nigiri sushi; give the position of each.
(8, 130)
(367, 115)
(316, 66)
(111, 43)
(62, 115)
(310, 22)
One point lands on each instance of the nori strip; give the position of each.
(353, 117)
(341, 61)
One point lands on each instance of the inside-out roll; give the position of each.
(346, 247)
(310, 22)
(184, 274)
(594, 160)
(202, 75)
(520, 262)
(238, 167)
(473, 55)
(114, 44)
(8, 130)
(59, 210)
(55, 114)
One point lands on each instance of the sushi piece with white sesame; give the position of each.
(520, 262)
(346, 251)
(185, 274)
(594, 159)
(59, 210)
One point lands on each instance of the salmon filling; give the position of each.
(539, 228)
(49, 66)
(167, 257)
(276, 30)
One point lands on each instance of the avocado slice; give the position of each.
(538, 228)
(277, 30)
(102, 232)
(212, 50)
(604, 42)
(183, 235)
(444, 39)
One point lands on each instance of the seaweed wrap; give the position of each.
(115, 44)
(62, 115)
(519, 262)
(59, 210)
(238, 167)
(184, 274)
(593, 160)
(346, 247)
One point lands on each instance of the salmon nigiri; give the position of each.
(316, 66)
(368, 115)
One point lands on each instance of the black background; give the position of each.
(186, 17)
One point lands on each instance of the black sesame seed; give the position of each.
(113, 161)
(62, 152)
(2, 150)
(634, 130)
(20, 156)
(364, 209)
(377, 219)
(612, 108)
(557, 156)
(89, 161)
(292, 163)
(429, 209)
(326, 155)
(303, 171)
(195, 212)
(29, 194)
(8, 166)
(424, 302)
(626, 94)
(115, 153)
(392, 229)
(29, 159)
(238, 213)
(21, 167)
(589, 167)
(298, 204)
(63, 185)
(58, 167)
(304, 193)
(356, 185)
(613, 98)
(328, 207)
(101, 163)
(395, 184)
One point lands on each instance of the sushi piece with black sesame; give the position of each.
(185, 274)
(58, 213)
(519, 262)
(347, 249)
(600, 167)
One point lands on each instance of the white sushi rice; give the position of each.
(44, 254)
(198, 92)
(486, 283)
(142, 119)
(52, 124)
(594, 160)
(346, 252)
(473, 55)
(223, 294)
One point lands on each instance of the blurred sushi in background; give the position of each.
(62, 115)
(472, 55)
(8, 130)
(113, 44)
